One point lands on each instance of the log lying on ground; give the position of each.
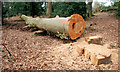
(72, 26)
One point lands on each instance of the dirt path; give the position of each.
(106, 26)
(47, 52)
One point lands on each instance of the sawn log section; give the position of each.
(72, 26)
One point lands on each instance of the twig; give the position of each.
(11, 59)
(6, 49)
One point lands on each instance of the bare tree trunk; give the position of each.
(32, 9)
(49, 9)
(89, 8)
(1, 15)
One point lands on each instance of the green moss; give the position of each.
(62, 35)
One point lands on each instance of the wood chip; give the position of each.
(94, 40)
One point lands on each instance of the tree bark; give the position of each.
(1, 15)
(89, 8)
(72, 26)
(32, 8)
(49, 9)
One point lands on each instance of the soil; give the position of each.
(26, 51)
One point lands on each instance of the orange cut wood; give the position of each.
(76, 26)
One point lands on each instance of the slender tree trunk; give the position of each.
(118, 10)
(89, 8)
(32, 9)
(1, 15)
(49, 9)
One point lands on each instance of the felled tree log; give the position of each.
(72, 26)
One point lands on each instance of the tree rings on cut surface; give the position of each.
(76, 26)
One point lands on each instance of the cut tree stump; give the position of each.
(94, 40)
(71, 26)
(96, 53)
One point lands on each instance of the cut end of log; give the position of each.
(76, 26)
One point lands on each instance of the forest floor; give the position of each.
(45, 52)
